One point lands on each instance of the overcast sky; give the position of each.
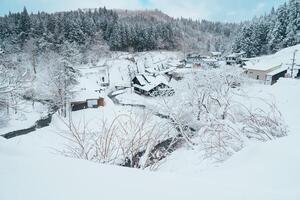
(217, 10)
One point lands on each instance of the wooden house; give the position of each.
(151, 86)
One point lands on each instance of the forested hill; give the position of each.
(272, 32)
(118, 29)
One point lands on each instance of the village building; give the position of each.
(212, 62)
(197, 60)
(193, 58)
(151, 85)
(216, 55)
(87, 99)
(235, 58)
(160, 70)
(266, 72)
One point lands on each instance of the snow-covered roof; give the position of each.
(216, 53)
(278, 70)
(151, 70)
(262, 65)
(162, 71)
(174, 63)
(283, 57)
(86, 94)
(210, 60)
(150, 81)
(141, 78)
(234, 55)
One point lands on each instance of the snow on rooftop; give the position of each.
(268, 62)
(276, 71)
(86, 94)
(216, 53)
(233, 55)
(149, 82)
(174, 63)
(210, 60)
(141, 79)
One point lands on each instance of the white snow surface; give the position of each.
(29, 169)
(283, 57)
(260, 171)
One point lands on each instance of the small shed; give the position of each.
(86, 99)
(78, 105)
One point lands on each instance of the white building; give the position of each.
(267, 72)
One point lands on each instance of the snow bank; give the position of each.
(283, 57)
(262, 172)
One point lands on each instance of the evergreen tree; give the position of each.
(279, 30)
(293, 27)
(24, 27)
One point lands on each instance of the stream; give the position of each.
(41, 123)
(166, 146)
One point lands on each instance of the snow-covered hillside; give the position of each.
(283, 57)
(33, 167)
(260, 171)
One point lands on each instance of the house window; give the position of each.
(257, 77)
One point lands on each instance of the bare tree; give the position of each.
(222, 124)
(129, 140)
(60, 79)
(11, 86)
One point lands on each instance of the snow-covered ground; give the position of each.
(189, 161)
(260, 171)
(25, 116)
(30, 167)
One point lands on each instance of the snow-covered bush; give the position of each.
(264, 124)
(222, 124)
(129, 140)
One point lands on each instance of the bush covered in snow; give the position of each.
(127, 139)
(222, 123)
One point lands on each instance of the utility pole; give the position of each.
(293, 64)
